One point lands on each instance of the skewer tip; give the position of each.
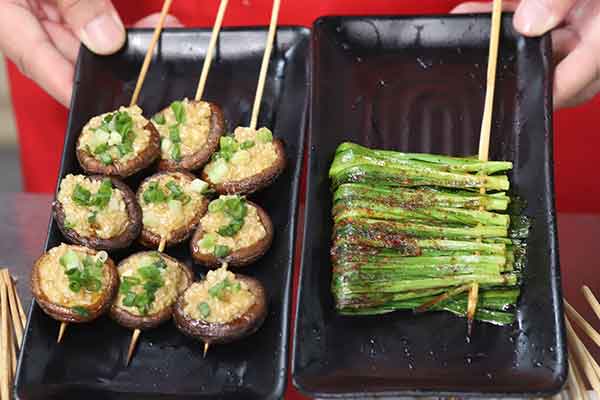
(61, 331)
(132, 345)
(162, 244)
(206, 344)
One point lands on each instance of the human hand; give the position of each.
(575, 26)
(42, 37)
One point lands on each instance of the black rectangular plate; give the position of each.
(417, 84)
(90, 360)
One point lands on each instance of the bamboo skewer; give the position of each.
(12, 302)
(574, 386)
(133, 344)
(486, 122)
(4, 343)
(148, 57)
(61, 331)
(591, 299)
(211, 49)
(484, 135)
(265, 64)
(577, 350)
(582, 323)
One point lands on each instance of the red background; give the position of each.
(42, 122)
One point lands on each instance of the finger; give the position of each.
(536, 17)
(573, 74)
(63, 39)
(26, 43)
(151, 20)
(473, 7)
(564, 41)
(585, 95)
(95, 22)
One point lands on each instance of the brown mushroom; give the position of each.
(255, 182)
(240, 257)
(152, 239)
(214, 333)
(197, 160)
(75, 314)
(120, 241)
(143, 322)
(93, 165)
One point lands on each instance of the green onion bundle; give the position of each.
(412, 231)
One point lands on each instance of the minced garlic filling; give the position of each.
(232, 305)
(252, 231)
(89, 138)
(193, 132)
(164, 218)
(109, 221)
(248, 162)
(175, 282)
(55, 283)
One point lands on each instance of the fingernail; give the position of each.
(534, 18)
(104, 34)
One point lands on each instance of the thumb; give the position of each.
(95, 22)
(536, 17)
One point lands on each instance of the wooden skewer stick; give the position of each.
(211, 49)
(5, 364)
(132, 344)
(61, 331)
(150, 51)
(576, 348)
(19, 305)
(579, 381)
(486, 126)
(486, 123)
(582, 323)
(572, 383)
(162, 244)
(265, 64)
(206, 344)
(472, 306)
(589, 296)
(16, 321)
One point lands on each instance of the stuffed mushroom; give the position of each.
(222, 308)
(234, 230)
(172, 204)
(189, 132)
(246, 162)
(118, 143)
(150, 283)
(74, 283)
(97, 212)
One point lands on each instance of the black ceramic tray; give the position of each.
(89, 363)
(417, 84)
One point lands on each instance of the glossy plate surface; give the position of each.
(417, 84)
(89, 363)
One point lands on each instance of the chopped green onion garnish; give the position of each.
(204, 309)
(174, 135)
(247, 144)
(82, 311)
(179, 111)
(221, 251)
(81, 195)
(264, 135)
(106, 158)
(159, 119)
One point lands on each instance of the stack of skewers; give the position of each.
(12, 323)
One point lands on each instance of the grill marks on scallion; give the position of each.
(409, 228)
(139, 290)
